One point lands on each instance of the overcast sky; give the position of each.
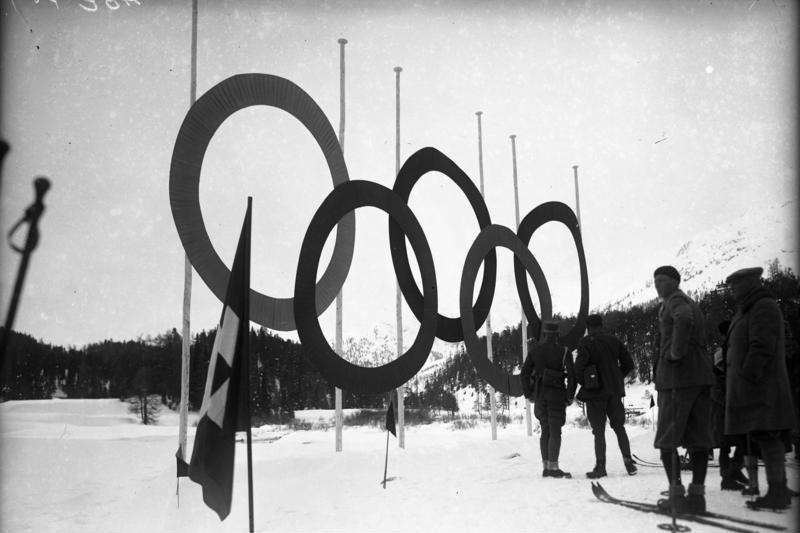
(680, 116)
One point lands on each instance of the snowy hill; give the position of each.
(758, 238)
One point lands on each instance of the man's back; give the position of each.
(612, 360)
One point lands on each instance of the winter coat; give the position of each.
(758, 394)
(682, 357)
(548, 355)
(612, 360)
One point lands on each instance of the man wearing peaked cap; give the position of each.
(758, 394)
(543, 375)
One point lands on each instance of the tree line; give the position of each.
(284, 380)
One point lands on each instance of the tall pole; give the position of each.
(187, 279)
(245, 359)
(401, 434)
(489, 352)
(523, 323)
(577, 198)
(339, 417)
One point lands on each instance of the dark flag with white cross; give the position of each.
(225, 408)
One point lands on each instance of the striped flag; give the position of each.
(225, 408)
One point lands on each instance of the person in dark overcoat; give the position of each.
(683, 381)
(758, 394)
(549, 394)
(730, 467)
(611, 361)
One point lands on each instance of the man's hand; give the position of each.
(569, 401)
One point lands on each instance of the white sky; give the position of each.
(94, 100)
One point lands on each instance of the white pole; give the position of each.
(577, 199)
(401, 434)
(187, 277)
(489, 354)
(339, 418)
(523, 320)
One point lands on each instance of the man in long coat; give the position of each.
(611, 362)
(550, 399)
(759, 398)
(683, 381)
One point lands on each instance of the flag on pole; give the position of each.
(225, 408)
(390, 425)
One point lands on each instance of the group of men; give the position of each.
(745, 385)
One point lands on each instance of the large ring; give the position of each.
(343, 374)
(200, 124)
(488, 239)
(426, 160)
(554, 212)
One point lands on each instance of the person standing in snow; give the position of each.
(759, 398)
(730, 468)
(543, 374)
(683, 381)
(600, 370)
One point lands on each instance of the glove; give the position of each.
(569, 401)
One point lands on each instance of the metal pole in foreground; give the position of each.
(401, 434)
(489, 351)
(339, 303)
(31, 217)
(523, 323)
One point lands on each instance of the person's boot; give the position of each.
(777, 498)
(630, 466)
(677, 498)
(728, 483)
(556, 472)
(696, 499)
(597, 472)
(750, 491)
(735, 473)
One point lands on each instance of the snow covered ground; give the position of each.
(88, 466)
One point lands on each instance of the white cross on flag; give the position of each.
(225, 408)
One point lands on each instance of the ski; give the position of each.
(684, 463)
(708, 518)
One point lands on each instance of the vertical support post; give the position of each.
(489, 352)
(577, 197)
(401, 433)
(339, 418)
(523, 323)
(186, 335)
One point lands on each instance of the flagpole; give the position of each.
(339, 300)
(523, 324)
(489, 350)
(246, 361)
(187, 285)
(399, 300)
(386, 461)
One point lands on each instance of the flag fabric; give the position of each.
(225, 409)
(182, 465)
(390, 425)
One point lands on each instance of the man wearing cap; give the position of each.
(759, 398)
(542, 376)
(683, 381)
(604, 360)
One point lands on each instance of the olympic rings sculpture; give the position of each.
(338, 210)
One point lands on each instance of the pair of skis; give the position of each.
(719, 520)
